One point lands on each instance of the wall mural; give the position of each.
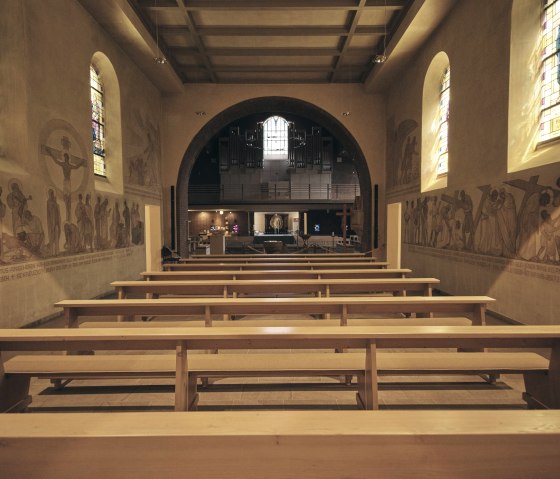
(516, 219)
(403, 155)
(31, 229)
(142, 167)
(63, 217)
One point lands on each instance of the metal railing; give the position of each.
(274, 191)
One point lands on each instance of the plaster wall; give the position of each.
(503, 250)
(44, 91)
(366, 121)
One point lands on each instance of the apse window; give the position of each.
(443, 128)
(97, 122)
(275, 138)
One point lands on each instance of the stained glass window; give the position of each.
(550, 74)
(443, 128)
(97, 122)
(275, 132)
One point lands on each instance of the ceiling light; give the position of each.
(382, 58)
(345, 113)
(158, 58)
(200, 113)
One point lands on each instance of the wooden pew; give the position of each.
(65, 368)
(284, 323)
(319, 287)
(276, 274)
(265, 256)
(259, 266)
(543, 388)
(308, 260)
(341, 305)
(282, 444)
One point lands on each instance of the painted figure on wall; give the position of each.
(53, 224)
(143, 166)
(407, 163)
(31, 233)
(402, 153)
(2, 215)
(17, 202)
(126, 218)
(68, 163)
(498, 228)
(115, 220)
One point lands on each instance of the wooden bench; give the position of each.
(318, 287)
(275, 274)
(63, 368)
(291, 260)
(284, 323)
(281, 444)
(286, 266)
(540, 388)
(265, 256)
(340, 305)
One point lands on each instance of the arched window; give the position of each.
(97, 122)
(443, 128)
(435, 124)
(275, 138)
(550, 74)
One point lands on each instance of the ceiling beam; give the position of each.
(354, 19)
(291, 31)
(273, 4)
(270, 52)
(196, 39)
(272, 69)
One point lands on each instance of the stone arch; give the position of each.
(278, 105)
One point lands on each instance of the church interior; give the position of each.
(296, 238)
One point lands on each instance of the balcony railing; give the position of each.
(274, 191)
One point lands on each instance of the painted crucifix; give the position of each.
(67, 162)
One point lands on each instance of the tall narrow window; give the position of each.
(97, 122)
(550, 74)
(443, 128)
(275, 133)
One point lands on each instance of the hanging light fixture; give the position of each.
(159, 58)
(382, 58)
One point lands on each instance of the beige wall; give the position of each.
(507, 258)
(181, 124)
(44, 96)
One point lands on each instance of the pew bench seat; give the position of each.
(282, 444)
(300, 364)
(454, 321)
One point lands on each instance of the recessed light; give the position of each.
(200, 113)
(345, 113)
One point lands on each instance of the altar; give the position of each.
(285, 238)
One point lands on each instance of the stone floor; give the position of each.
(422, 392)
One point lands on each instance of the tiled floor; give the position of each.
(422, 392)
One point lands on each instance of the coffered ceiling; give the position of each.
(268, 41)
(271, 41)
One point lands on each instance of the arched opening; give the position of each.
(279, 105)
(112, 182)
(435, 111)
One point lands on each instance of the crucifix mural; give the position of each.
(67, 162)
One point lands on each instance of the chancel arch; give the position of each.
(280, 106)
